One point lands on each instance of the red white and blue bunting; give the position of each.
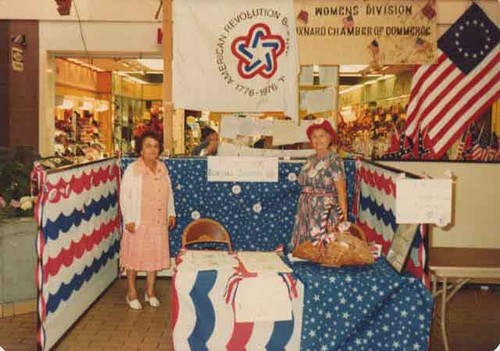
(77, 243)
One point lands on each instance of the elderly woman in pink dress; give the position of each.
(147, 206)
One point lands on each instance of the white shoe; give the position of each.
(134, 304)
(153, 301)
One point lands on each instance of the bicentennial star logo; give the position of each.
(258, 52)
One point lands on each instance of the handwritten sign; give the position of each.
(424, 201)
(242, 169)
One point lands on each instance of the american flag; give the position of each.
(428, 10)
(493, 148)
(446, 97)
(374, 47)
(303, 16)
(348, 22)
(422, 44)
(480, 148)
(465, 146)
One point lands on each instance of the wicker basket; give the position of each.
(307, 251)
(346, 250)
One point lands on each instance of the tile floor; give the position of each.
(473, 324)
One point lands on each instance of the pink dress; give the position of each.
(148, 248)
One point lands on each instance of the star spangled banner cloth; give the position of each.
(235, 56)
(446, 97)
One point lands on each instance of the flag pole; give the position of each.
(168, 104)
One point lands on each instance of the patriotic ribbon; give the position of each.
(291, 284)
(38, 176)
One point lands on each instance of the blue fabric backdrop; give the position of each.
(259, 216)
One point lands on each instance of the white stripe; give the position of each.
(66, 274)
(380, 198)
(443, 86)
(186, 318)
(415, 96)
(423, 89)
(67, 175)
(224, 315)
(297, 308)
(68, 312)
(452, 94)
(261, 333)
(465, 116)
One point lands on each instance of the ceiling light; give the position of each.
(352, 68)
(87, 106)
(153, 64)
(102, 105)
(66, 105)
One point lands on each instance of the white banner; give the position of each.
(235, 55)
(424, 201)
(227, 149)
(242, 169)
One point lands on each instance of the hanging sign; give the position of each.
(242, 169)
(17, 45)
(375, 32)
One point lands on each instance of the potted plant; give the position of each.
(16, 199)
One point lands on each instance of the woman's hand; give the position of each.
(130, 227)
(171, 222)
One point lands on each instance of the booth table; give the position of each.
(217, 304)
(455, 278)
(363, 308)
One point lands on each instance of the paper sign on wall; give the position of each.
(242, 169)
(423, 201)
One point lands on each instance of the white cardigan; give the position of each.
(131, 197)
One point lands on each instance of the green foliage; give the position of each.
(15, 169)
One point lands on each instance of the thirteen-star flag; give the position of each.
(446, 97)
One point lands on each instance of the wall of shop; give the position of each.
(476, 203)
(18, 99)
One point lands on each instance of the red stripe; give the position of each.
(415, 91)
(240, 337)
(464, 111)
(175, 303)
(78, 249)
(372, 235)
(437, 80)
(84, 182)
(460, 94)
(379, 181)
(231, 288)
(443, 93)
(293, 285)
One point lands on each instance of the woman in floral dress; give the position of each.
(323, 184)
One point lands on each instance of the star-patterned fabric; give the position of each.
(363, 308)
(258, 215)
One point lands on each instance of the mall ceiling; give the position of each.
(151, 70)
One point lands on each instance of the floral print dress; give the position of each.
(317, 179)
